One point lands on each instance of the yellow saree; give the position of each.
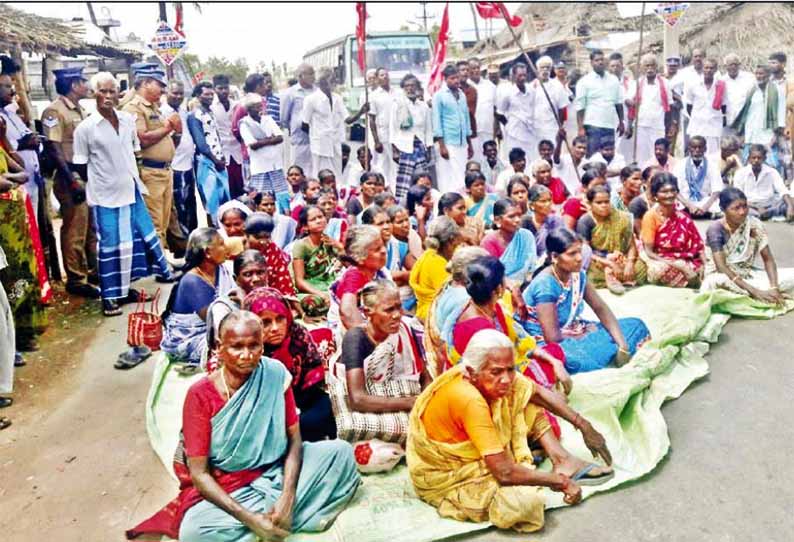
(454, 477)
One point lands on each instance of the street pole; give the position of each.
(542, 86)
(635, 120)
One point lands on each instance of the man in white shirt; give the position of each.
(544, 119)
(518, 166)
(567, 166)
(381, 103)
(762, 117)
(128, 244)
(690, 75)
(738, 83)
(291, 117)
(411, 129)
(264, 141)
(323, 118)
(766, 193)
(184, 209)
(613, 162)
(706, 104)
(485, 113)
(625, 142)
(222, 109)
(651, 107)
(491, 164)
(599, 104)
(699, 180)
(517, 111)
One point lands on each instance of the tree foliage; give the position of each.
(236, 69)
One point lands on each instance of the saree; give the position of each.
(284, 230)
(519, 257)
(25, 278)
(213, 187)
(185, 338)
(247, 448)
(278, 275)
(587, 345)
(336, 229)
(427, 278)
(444, 311)
(453, 477)
(7, 338)
(612, 239)
(320, 267)
(482, 209)
(674, 238)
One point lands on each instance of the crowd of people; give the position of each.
(428, 292)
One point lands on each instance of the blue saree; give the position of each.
(520, 256)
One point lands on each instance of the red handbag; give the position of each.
(145, 328)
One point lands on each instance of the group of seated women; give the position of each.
(450, 327)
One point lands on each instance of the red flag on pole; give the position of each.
(179, 20)
(440, 54)
(361, 35)
(497, 10)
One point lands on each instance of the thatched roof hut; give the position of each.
(35, 34)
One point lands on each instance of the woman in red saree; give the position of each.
(674, 249)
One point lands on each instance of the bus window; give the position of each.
(399, 54)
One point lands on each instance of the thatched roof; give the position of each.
(752, 30)
(36, 34)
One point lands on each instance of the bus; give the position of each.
(399, 52)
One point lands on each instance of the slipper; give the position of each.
(187, 369)
(6, 402)
(130, 359)
(581, 477)
(4, 422)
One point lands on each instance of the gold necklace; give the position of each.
(556, 275)
(204, 276)
(225, 385)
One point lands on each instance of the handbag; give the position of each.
(145, 328)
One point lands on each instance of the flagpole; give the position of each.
(635, 121)
(542, 86)
(366, 87)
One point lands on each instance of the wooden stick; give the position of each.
(635, 121)
(542, 86)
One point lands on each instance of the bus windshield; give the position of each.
(398, 54)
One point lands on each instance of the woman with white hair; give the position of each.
(107, 142)
(468, 442)
(544, 117)
(264, 141)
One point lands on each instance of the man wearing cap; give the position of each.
(485, 111)
(157, 147)
(78, 236)
(135, 68)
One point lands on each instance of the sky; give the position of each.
(272, 31)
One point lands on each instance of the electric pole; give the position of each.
(424, 15)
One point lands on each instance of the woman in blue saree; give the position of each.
(512, 244)
(245, 473)
(555, 300)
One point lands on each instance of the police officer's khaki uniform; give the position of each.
(155, 164)
(78, 236)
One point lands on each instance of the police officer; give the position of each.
(157, 146)
(78, 236)
(135, 68)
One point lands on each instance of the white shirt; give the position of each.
(223, 122)
(421, 125)
(651, 112)
(711, 183)
(486, 101)
(736, 91)
(618, 161)
(381, 103)
(544, 119)
(269, 157)
(15, 130)
(326, 123)
(764, 190)
(112, 170)
(519, 108)
(567, 173)
(755, 130)
(705, 120)
(503, 179)
(183, 157)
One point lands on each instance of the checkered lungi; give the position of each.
(272, 181)
(409, 164)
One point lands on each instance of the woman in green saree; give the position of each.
(315, 262)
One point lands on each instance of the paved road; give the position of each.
(77, 463)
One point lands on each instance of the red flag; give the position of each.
(361, 35)
(497, 10)
(179, 20)
(440, 54)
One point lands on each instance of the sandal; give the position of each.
(6, 402)
(111, 308)
(187, 369)
(583, 478)
(132, 358)
(4, 423)
(19, 361)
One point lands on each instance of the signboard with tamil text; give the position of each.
(167, 43)
(671, 12)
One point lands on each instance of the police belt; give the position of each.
(154, 164)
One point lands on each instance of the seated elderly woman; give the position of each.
(383, 370)
(542, 173)
(673, 246)
(445, 309)
(485, 285)
(290, 343)
(468, 452)
(315, 262)
(610, 234)
(555, 300)
(430, 271)
(733, 244)
(241, 453)
(185, 334)
(364, 249)
(258, 236)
